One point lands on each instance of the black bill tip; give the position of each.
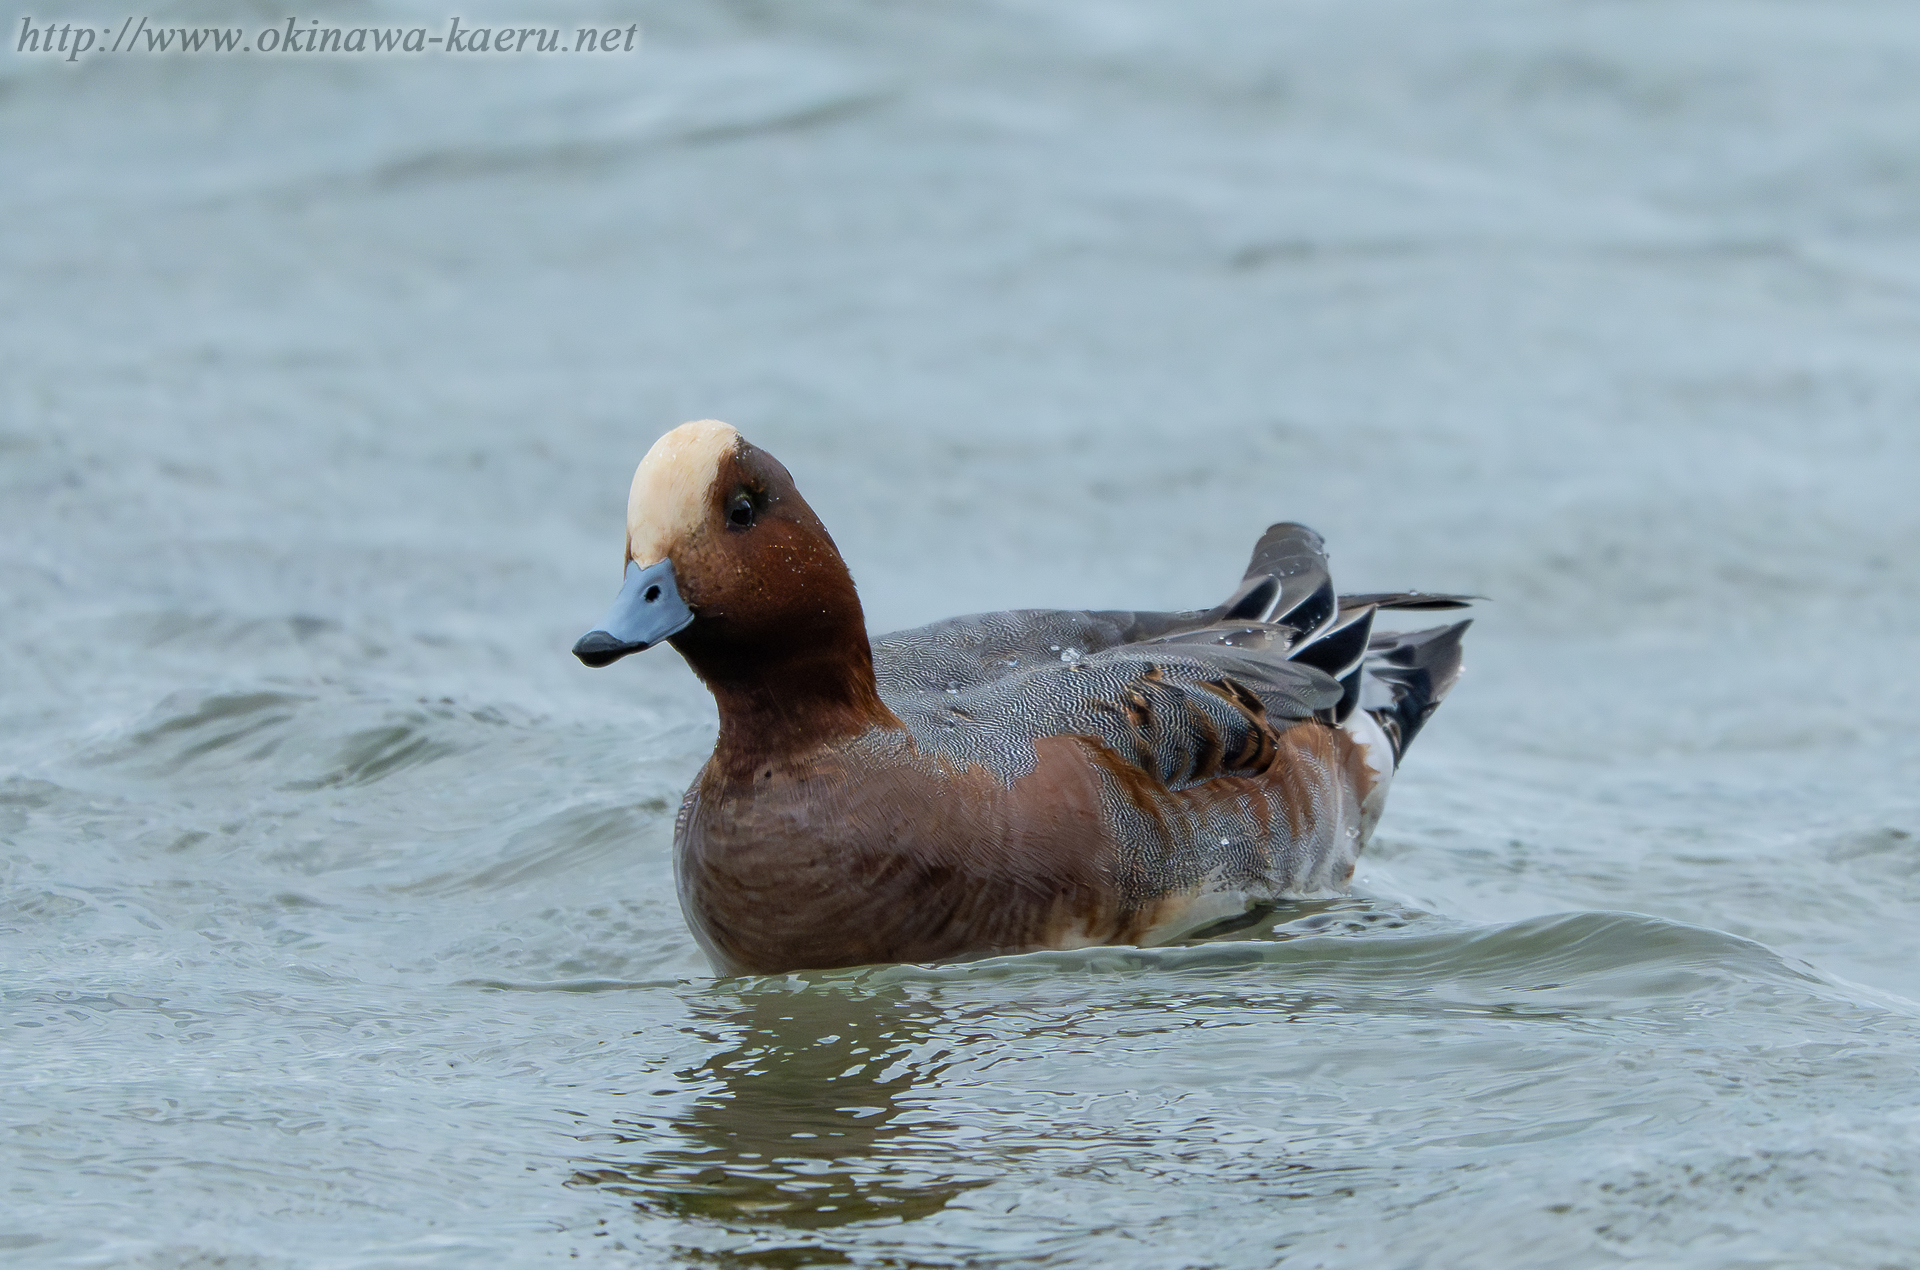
(597, 648)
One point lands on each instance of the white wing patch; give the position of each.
(1364, 728)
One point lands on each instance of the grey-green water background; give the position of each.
(336, 917)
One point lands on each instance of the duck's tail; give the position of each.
(1398, 678)
(1405, 676)
(1287, 584)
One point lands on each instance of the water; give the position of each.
(335, 898)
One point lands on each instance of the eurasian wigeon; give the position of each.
(1007, 781)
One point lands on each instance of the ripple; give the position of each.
(303, 741)
(1596, 962)
(572, 839)
(212, 728)
(373, 754)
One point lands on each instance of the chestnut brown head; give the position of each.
(726, 560)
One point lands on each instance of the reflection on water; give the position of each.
(884, 1094)
(815, 1112)
(807, 1119)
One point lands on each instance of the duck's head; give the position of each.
(725, 559)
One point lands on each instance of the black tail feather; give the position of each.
(1341, 647)
(1427, 601)
(1341, 652)
(1286, 583)
(1405, 678)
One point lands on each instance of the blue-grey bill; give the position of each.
(647, 610)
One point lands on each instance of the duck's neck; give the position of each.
(777, 706)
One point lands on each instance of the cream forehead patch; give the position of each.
(670, 488)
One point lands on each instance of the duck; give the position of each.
(1009, 782)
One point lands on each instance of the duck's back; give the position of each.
(1241, 753)
(1213, 776)
(980, 690)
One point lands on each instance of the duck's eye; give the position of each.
(740, 512)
